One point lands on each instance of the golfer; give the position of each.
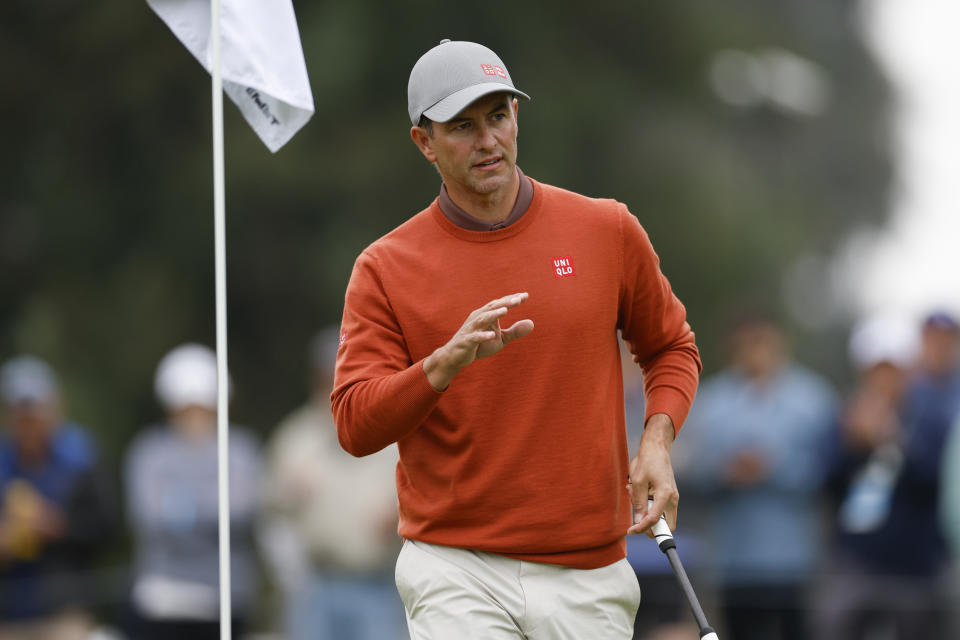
(481, 336)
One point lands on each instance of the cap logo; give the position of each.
(493, 70)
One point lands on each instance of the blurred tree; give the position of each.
(106, 242)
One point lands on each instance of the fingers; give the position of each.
(488, 318)
(643, 525)
(666, 500)
(480, 336)
(637, 515)
(518, 329)
(670, 513)
(637, 508)
(646, 515)
(658, 507)
(651, 498)
(643, 516)
(651, 474)
(510, 301)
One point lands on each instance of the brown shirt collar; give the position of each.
(461, 218)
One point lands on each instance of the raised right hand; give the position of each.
(479, 337)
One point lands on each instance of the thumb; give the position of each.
(518, 329)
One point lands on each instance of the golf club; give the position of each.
(661, 531)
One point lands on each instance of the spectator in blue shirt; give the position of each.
(54, 510)
(756, 432)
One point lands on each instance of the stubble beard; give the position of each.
(486, 185)
(479, 186)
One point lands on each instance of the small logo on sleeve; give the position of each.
(343, 338)
(563, 267)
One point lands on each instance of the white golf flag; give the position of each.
(262, 61)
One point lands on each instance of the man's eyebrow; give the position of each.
(500, 107)
(503, 105)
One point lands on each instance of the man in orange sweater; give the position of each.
(513, 455)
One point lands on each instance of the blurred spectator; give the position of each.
(884, 464)
(940, 349)
(933, 394)
(332, 532)
(54, 511)
(756, 432)
(950, 502)
(950, 495)
(935, 399)
(172, 500)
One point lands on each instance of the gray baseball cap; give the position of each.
(449, 77)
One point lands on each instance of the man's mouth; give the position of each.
(489, 163)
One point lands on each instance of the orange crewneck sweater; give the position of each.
(525, 453)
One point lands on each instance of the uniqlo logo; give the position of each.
(563, 266)
(493, 70)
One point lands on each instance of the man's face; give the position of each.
(758, 349)
(940, 350)
(476, 151)
(31, 427)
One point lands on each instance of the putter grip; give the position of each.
(661, 531)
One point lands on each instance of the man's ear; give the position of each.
(516, 108)
(424, 142)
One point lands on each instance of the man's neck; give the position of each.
(489, 207)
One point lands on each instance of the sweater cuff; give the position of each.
(415, 396)
(671, 402)
(424, 387)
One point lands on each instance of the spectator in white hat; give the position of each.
(172, 505)
(889, 554)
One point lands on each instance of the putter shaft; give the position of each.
(688, 591)
(664, 538)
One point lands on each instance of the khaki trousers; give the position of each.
(458, 594)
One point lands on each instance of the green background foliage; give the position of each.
(106, 244)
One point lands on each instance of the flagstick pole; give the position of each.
(219, 231)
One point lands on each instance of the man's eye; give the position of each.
(462, 126)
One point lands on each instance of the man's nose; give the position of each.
(485, 139)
